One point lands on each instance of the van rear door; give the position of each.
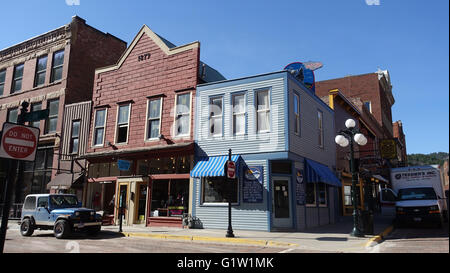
(387, 201)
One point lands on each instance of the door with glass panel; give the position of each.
(281, 196)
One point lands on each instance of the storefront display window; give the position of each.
(170, 197)
(219, 190)
(38, 173)
(322, 188)
(310, 194)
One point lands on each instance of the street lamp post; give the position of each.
(343, 139)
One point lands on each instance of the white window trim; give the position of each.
(72, 137)
(267, 110)
(210, 118)
(297, 116)
(93, 145)
(174, 131)
(147, 119)
(117, 124)
(233, 114)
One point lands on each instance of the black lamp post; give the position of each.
(343, 139)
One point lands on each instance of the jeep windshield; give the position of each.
(63, 201)
(417, 194)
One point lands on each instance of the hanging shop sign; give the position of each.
(252, 186)
(123, 165)
(388, 149)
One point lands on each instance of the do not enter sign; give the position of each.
(19, 142)
(231, 169)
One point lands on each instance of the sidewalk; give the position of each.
(327, 238)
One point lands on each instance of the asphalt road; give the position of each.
(416, 239)
(112, 242)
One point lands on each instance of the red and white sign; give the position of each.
(231, 169)
(19, 142)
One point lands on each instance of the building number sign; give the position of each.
(143, 57)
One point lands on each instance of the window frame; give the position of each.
(32, 109)
(266, 110)
(2, 83)
(8, 114)
(39, 72)
(213, 117)
(314, 194)
(203, 180)
(148, 119)
(15, 78)
(368, 107)
(94, 128)
(55, 116)
(325, 190)
(320, 129)
(118, 126)
(52, 75)
(175, 119)
(296, 115)
(233, 113)
(72, 137)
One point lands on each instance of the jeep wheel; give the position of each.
(61, 229)
(26, 227)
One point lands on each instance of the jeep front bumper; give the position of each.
(89, 224)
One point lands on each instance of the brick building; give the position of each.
(49, 71)
(141, 142)
(399, 136)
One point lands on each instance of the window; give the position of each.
(239, 114)
(215, 116)
(17, 78)
(123, 116)
(219, 190)
(310, 194)
(57, 66)
(320, 128)
(38, 173)
(322, 189)
(30, 202)
(41, 68)
(2, 81)
(368, 105)
(42, 202)
(36, 107)
(52, 120)
(74, 136)
(13, 113)
(263, 111)
(154, 118)
(183, 114)
(296, 114)
(99, 126)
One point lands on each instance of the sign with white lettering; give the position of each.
(252, 188)
(19, 142)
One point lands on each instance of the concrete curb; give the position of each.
(379, 238)
(211, 239)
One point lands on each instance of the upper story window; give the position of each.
(2, 81)
(368, 105)
(35, 107)
(52, 120)
(320, 128)
(123, 117)
(296, 114)
(262, 111)
(75, 136)
(238, 114)
(17, 78)
(215, 116)
(154, 118)
(13, 113)
(183, 114)
(99, 126)
(57, 66)
(41, 68)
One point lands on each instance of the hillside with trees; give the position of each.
(427, 159)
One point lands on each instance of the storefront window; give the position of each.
(310, 194)
(219, 190)
(322, 188)
(37, 174)
(170, 197)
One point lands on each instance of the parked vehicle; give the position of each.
(61, 213)
(418, 195)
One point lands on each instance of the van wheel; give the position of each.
(26, 227)
(61, 229)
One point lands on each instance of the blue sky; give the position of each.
(410, 38)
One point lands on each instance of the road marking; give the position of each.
(287, 250)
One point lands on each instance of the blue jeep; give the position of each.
(60, 212)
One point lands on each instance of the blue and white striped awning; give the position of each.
(316, 172)
(213, 166)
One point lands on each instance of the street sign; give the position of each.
(19, 142)
(231, 169)
(36, 115)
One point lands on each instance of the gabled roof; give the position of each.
(167, 47)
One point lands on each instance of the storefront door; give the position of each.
(141, 200)
(282, 212)
(122, 199)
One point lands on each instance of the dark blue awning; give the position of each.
(316, 172)
(213, 166)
